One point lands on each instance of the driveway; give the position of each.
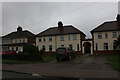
(84, 67)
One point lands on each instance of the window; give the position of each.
(114, 34)
(62, 45)
(20, 41)
(43, 47)
(68, 37)
(77, 47)
(61, 38)
(23, 41)
(74, 37)
(44, 39)
(96, 46)
(16, 41)
(105, 46)
(50, 38)
(40, 40)
(13, 48)
(16, 48)
(50, 47)
(70, 46)
(114, 47)
(106, 35)
(99, 35)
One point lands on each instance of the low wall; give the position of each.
(107, 52)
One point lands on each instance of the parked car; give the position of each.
(8, 52)
(64, 53)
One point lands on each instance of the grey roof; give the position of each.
(60, 31)
(108, 26)
(17, 34)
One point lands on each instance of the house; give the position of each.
(16, 40)
(104, 36)
(60, 36)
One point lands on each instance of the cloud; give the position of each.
(38, 16)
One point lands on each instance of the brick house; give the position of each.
(104, 36)
(60, 36)
(16, 40)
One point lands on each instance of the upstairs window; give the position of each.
(50, 38)
(99, 35)
(61, 38)
(20, 41)
(68, 37)
(40, 40)
(44, 39)
(106, 35)
(23, 41)
(114, 34)
(74, 37)
(62, 45)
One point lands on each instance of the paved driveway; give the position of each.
(84, 67)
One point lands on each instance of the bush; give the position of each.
(30, 50)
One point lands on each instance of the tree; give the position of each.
(30, 50)
(117, 43)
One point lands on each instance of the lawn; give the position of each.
(113, 60)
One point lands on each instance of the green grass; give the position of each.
(46, 59)
(113, 60)
(78, 55)
(49, 58)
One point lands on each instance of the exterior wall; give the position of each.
(20, 40)
(46, 43)
(56, 42)
(107, 52)
(103, 40)
(16, 48)
(6, 41)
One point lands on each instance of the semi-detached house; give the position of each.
(60, 36)
(105, 35)
(17, 39)
(102, 40)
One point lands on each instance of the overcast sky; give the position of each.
(39, 16)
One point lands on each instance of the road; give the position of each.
(85, 67)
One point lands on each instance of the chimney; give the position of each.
(118, 21)
(60, 25)
(118, 18)
(19, 29)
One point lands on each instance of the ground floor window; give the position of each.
(43, 47)
(62, 45)
(78, 47)
(70, 46)
(96, 46)
(105, 46)
(50, 47)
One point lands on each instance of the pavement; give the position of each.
(84, 67)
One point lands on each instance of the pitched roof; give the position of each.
(60, 31)
(108, 26)
(17, 34)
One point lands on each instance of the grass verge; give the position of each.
(113, 60)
